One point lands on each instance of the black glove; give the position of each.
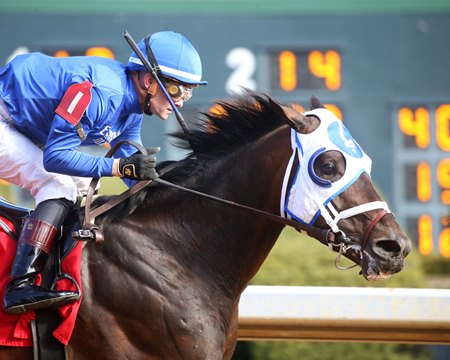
(138, 166)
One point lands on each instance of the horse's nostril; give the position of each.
(389, 246)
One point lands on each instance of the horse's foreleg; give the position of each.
(230, 343)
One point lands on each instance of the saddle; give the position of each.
(13, 213)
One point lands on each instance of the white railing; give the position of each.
(345, 314)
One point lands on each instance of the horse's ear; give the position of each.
(314, 103)
(296, 120)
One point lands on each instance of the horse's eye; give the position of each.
(328, 169)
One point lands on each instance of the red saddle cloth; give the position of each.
(15, 330)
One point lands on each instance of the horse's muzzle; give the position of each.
(384, 258)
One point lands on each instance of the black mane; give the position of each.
(232, 124)
(235, 123)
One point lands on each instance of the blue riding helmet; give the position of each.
(176, 56)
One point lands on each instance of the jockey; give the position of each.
(49, 107)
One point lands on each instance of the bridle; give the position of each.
(339, 242)
(346, 244)
(334, 238)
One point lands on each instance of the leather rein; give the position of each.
(337, 242)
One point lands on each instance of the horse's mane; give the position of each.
(231, 125)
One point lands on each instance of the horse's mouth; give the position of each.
(381, 259)
(377, 277)
(378, 268)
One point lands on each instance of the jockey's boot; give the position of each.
(35, 243)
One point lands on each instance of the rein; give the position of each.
(91, 231)
(324, 236)
(330, 237)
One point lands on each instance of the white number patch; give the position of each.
(243, 61)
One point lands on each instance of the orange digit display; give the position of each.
(431, 137)
(423, 182)
(443, 127)
(417, 124)
(444, 242)
(425, 230)
(288, 70)
(443, 179)
(326, 65)
(305, 69)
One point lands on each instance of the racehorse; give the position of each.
(166, 282)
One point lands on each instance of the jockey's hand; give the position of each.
(139, 166)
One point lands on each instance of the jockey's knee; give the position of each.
(53, 211)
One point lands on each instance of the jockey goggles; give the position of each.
(176, 90)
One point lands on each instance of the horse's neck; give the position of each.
(253, 178)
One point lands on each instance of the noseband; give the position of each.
(344, 243)
(370, 228)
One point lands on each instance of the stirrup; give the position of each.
(63, 275)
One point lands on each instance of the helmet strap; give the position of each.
(147, 110)
(151, 92)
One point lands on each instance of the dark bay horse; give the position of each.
(166, 282)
